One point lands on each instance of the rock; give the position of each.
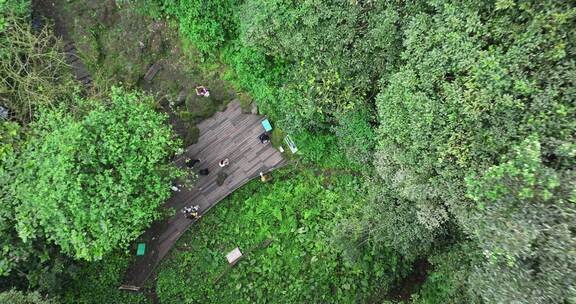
(181, 97)
(154, 69)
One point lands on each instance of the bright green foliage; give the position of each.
(259, 74)
(298, 213)
(18, 297)
(93, 184)
(525, 225)
(355, 135)
(12, 249)
(97, 283)
(12, 8)
(321, 150)
(207, 23)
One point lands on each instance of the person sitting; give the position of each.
(190, 163)
(202, 91)
(223, 163)
(264, 138)
(191, 212)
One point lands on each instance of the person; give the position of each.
(190, 163)
(202, 91)
(223, 163)
(264, 177)
(191, 211)
(264, 138)
(204, 171)
(175, 188)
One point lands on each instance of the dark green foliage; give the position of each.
(207, 23)
(93, 184)
(525, 225)
(18, 297)
(469, 90)
(98, 282)
(449, 280)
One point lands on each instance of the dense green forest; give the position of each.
(436, 164)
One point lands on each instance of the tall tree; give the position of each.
(94, 183)
(525, 224)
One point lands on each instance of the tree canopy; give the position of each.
(93, 184)
(452, 122)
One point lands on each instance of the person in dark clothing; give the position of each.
(204, 171)
(190, 163)
(264, 138)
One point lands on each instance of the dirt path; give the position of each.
(48, 11)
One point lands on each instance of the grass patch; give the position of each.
(297, 211)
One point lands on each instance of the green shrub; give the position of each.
(13, 8)
(98, 282)
(208, 24)
(93, 184)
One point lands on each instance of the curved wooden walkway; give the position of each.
(229, 134)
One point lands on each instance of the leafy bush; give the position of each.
(525, 222)
(208, 24)
(93, 184)
(449, 281)
(98, 282)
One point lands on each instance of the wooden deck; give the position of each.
(229, 134)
